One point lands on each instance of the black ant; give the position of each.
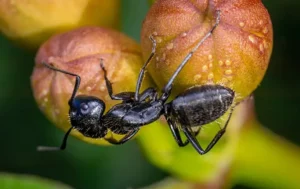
(194, 107)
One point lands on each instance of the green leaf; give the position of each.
(15, 181)
(171, 183)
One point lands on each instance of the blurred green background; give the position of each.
(23, 126)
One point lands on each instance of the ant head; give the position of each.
(85, 115)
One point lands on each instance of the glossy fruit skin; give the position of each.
(236, 56)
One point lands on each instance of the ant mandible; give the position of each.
(194, 107)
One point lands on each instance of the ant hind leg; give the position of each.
(216, 138)
(219, 135)
(191, 137)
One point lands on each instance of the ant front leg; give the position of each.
(77, 81)
(125, 96)
(127, 137)
(173, 127)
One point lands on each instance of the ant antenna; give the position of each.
(188, 57)
(71, 100)
(142, 72)
(77, 82)
(62, 147)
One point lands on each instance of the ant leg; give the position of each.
(127, 137)
(62, 147)
(77, 82)
(166, 90)
(150, 93)
(193, 140)
(174, 128)
(175, 132)
(217, 137)
(219, 134)
(125, 96)
(142, 72)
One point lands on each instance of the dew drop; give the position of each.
(204, 68)
(210, 65)
(228, 62)
(209, 57)
(170, 46)
(44, 92)
(228, 72)
(154, 33)
(242, 24)
(252, 39)
(210, 76)
(261, 47)
(221, 63)
(88, 88)
(184, 34)
(102, 88)
(197, 77)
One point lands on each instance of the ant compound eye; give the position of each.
(84, 108)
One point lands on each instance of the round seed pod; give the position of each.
(236, 55)
(79, 52)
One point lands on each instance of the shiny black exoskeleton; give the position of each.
(194, 107)
(198, 106)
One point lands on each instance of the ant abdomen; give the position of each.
(200, 105)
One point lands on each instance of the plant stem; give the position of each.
(265, 160)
